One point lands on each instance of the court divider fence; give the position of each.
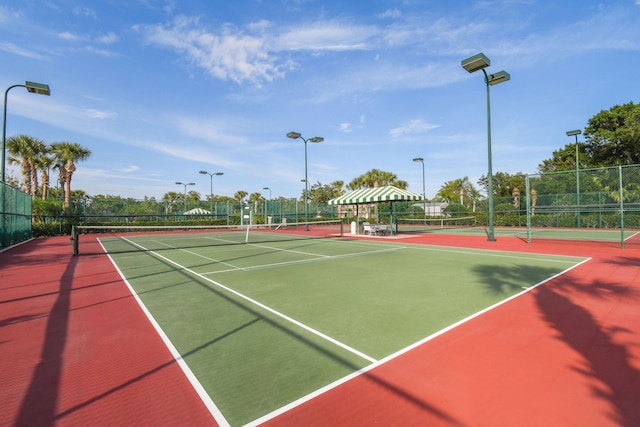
(585, 198)
(15, 216)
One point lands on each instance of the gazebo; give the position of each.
(388, 194)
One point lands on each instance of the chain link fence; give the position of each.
(15, 216)
(604, 198)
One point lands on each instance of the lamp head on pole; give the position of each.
(294, 135)
(38, 88)
(476, 62)
(574, 132)
(497, 78)
(418, 160)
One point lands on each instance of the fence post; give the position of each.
(621, 208)
(528, 202)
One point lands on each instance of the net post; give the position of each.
(528, 202)
(74, 240)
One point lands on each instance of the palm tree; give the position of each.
(43, 162)
(240, 195)
(24, 149)
(376, 177)
(68, 153)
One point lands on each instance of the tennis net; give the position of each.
(119, 239)
(415, 225)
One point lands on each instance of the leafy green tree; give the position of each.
(504, 183)
(612, 136)
(170, 199)
(321, 194)
(457, 190)
(564, 159)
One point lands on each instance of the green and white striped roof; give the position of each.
(375, 195)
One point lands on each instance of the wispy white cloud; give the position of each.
(66, 35)
(417, 126)
(16, 50)
(328, 36)
(128, 169)
(108, 38)
(251, 54)
(97, 114)
(230, 54)
(391, 13)
(345, 127)
(84, 11)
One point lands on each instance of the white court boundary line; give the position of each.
(197, 386)
(479, 252)
(305, 261)
(399, 353)
(206, 399)
(216, 413)
(319, 257)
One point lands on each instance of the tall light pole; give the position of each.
(473, 64)
(576, 133)
(38, 88)
(316, 139)
(266, 211)
(211, 174)
(185, 192)
(424, 196)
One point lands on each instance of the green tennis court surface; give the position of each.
(592, 234)
(262, 325)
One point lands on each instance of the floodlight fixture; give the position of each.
(185, 191)
(472, 64)
(32, 87)
(497, 78)
(38, 88)
(315, 139)
(574, 132)
(211, 175)
(476, 62)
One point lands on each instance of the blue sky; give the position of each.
(161, 89)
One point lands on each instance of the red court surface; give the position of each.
(76, 349)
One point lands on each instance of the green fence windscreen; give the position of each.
(15, 216)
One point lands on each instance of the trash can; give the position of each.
(353, 228)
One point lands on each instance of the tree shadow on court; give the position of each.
(605, 349)
(41, 399)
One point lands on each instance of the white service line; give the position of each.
(303, 261)
(267, 308)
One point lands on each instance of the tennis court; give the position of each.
(265, 324)
(468, 226)
(431, 329)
